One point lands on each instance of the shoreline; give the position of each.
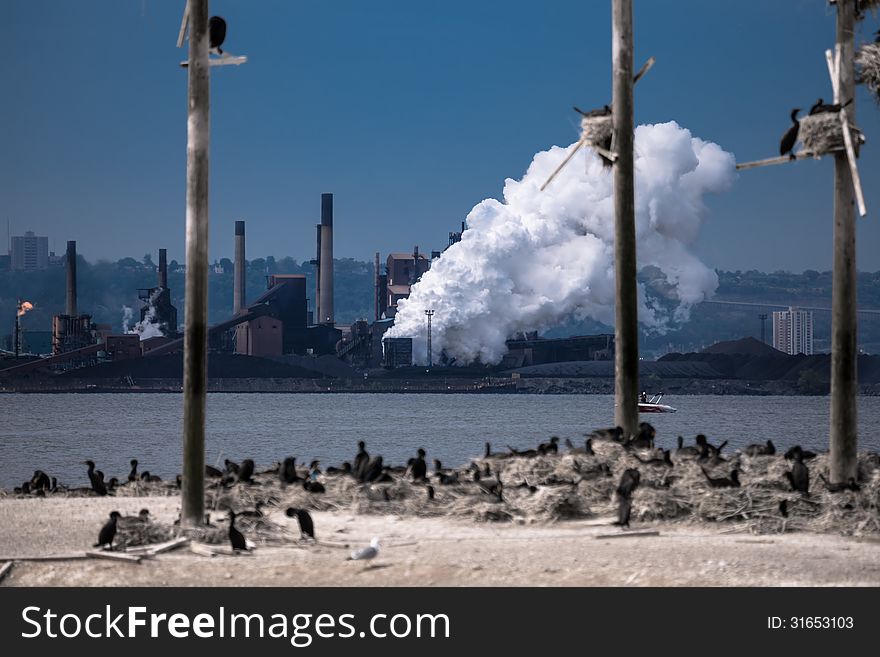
(436, 552)
(451, 385)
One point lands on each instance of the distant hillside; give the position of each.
(105, 287)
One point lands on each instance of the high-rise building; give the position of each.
(29, 252)
(793, 331)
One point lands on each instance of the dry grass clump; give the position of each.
(597, 130)
(545, 488)
(868, 68)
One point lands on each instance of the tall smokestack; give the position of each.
(326, 260)
(71, 279)
(163, 268)
(317, 263)
(238, 285)
(376, 301)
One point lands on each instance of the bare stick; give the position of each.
(645, 68)
(784, 159)
(568, 157)
(5, 568)
(113, 556)
(629, 534)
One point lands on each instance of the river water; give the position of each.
(56, 432)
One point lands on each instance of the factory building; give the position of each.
(402, 271)
(157, 308)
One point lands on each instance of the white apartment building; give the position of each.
(793, 331)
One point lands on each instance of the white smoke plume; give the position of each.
(127, 317)
(539, 259)
(148, 327)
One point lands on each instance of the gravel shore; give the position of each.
(432, 551)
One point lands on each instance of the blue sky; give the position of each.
(410, 112)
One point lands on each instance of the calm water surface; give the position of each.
(57, 432)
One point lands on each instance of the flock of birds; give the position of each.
(367, 469)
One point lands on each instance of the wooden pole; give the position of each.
(843, 430)
(195, 345)
(626, 331)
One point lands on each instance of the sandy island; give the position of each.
(435, 552)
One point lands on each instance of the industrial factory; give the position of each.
(278, 325)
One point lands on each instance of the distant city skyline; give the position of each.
(409, 114)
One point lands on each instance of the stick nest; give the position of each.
(597, 131)
(822, 133)
(868, 68)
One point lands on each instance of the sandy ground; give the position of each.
(433, 551)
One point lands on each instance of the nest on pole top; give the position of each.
(868, 68)
(596, 131)
(822, 133)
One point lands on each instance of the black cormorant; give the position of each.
(605, 110)
(723, 482)
(246, 471)
(314, 486)
(306, 526)
(211, 471)
(231, 466)
(821, 108)
(287, 472)
(372, 470)
(430, 490)
(345, 469)
(133, 475)
(108, 531)
(419, 468)
(361, 459)
(795, 451)
(551, 447)
(96, 479)
(664, 460)
(236, 539)
(799, 476)
(688, 450)
(629, 481)
(786, 144)
(216, 33)
(840, 486)
(40, 481)
(768, 449)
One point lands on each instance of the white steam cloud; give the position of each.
(149, 327)
(541, 258)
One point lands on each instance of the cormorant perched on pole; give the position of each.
(820, 107)
(216, 33)
(108, 531)
(605, 110)
(786, 144)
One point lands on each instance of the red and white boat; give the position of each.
(653, 405)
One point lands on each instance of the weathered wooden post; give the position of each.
(195, 349)
(626, 332)
(843, 431)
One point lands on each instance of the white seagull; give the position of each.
(367, 553)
